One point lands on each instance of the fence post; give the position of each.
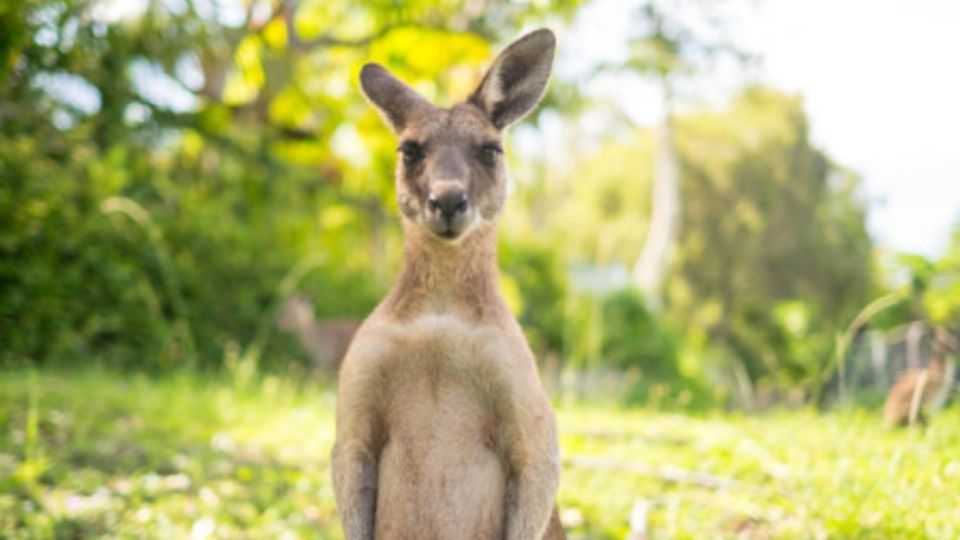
(914, 335)
(878, 354)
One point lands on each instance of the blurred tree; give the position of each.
(942, 297)
(774, 257)
(931, 287)
(673, 40)
(236, 130)
(169, 169)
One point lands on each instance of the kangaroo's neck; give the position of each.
(448, 278)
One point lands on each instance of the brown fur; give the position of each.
(444, 430)
(324, 340)
(927, 382)
(916, 390)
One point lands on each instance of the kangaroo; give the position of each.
(920, 388)
(444, 430)
(325, 340)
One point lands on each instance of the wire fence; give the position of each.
(876, 359)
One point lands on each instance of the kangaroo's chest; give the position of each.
(443, 377)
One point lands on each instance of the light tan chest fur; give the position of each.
(443, 383)
(444, 376)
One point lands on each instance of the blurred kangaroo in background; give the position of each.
(444, 430)
(325, 341)
(916, 390)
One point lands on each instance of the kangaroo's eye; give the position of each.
(411, 151)
(490, 152)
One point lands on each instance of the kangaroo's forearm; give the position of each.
(355, 486)
(532, 501)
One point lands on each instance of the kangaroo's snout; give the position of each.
(448, 210)
(449, 203)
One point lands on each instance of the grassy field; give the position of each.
(92, 454)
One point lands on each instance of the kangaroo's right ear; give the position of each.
(396, 101)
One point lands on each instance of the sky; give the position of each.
(880, 81)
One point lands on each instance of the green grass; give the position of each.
(96, 454)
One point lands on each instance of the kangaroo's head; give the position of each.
(450, 171)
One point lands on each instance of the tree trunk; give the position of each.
(654, 260)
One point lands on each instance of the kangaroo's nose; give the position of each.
(449, 203)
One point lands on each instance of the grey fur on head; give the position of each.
(512, 86)
(396, 101)
(517, 79)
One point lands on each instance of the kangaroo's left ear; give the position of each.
(516, 80)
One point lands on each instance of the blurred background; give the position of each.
(734, 206)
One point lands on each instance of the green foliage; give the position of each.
(165, 167)
(772, 260)
(930, 289)
(774, 257)
(537, 267)
(633, 337)
(184, 455)
(609, 200)
(941, 298)
(242, 147)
